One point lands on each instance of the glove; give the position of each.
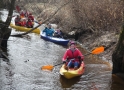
(79, 57)
(64, 62)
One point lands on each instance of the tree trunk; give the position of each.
(4, 30)
(118, 55)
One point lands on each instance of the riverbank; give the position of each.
(106, 39)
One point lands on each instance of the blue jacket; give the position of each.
(48, 31)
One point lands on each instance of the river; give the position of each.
(26, 57)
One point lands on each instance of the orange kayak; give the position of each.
(71, 73)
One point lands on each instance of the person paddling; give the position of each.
(29, 23)
(22, 22)
(17, 20)
(58, 33)
(72, 57)
(30, 16)
(49, 30)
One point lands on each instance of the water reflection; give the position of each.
(68, 83)
(117, 83)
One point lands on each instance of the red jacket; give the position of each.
(17, 20)
(22, 15)
(72, 55)
(22, 23)
(31, 17)
(29, 24)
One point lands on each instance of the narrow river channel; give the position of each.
(27, 55)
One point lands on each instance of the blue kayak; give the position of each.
(56, 40)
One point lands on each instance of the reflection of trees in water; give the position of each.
(117, 83)
(67, 83)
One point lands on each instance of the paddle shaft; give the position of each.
(87, 54)
(62, 63)
(58, 64)
(97, 50)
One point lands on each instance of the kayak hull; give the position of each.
(71, 73)
(24, 29)
(56, 40)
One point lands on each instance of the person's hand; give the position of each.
(79, 57)
(64, 62)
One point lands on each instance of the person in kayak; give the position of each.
(72, 57)
(48, 30)
(22, 15)
(22, 22)
(30, 16)
(58, 33)
(17, 20)
(29, 23)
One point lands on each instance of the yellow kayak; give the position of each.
(71, 73)
(20, 28)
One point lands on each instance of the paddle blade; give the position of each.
(98, 50)
(47, 67)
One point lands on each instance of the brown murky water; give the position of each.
(27, 55)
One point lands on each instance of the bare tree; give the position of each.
(118, 55)
(4, 30)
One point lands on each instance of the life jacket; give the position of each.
(17, 20)
(72, 55)
(31, 17)
(22, 23)
(29, 24)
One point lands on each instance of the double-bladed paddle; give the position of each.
(97, 50)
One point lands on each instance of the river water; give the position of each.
(26, 57)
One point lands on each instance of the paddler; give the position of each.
(72, 57)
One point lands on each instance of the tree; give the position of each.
(4, 30)
(118, 55)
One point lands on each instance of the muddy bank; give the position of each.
(106, 39)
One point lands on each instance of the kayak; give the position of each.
(71, 73)
(56, 40)
(20, 28)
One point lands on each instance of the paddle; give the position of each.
(97, 50)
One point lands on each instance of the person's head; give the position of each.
(18, 16)
(58, 30)
(30, 13)
(49, 25)
(72, 45)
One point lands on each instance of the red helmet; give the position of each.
(72, 42)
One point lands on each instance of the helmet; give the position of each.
(49, 25)
(72, 42)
